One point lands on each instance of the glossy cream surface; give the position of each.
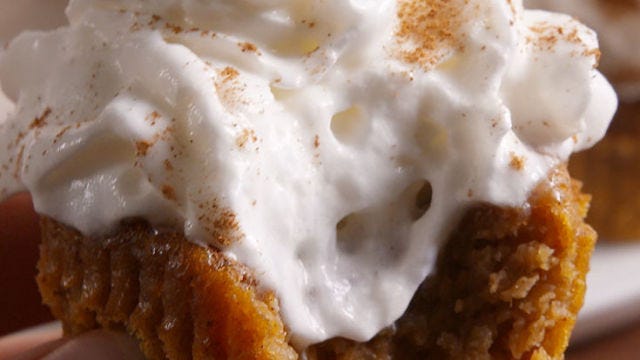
(328, 145)
(618, 25)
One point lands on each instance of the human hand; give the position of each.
(20, 303)
(46, 342)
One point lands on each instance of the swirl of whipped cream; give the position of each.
(618, 25)
(328, 145)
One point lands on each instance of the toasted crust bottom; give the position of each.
(180, 300)
(508, 285)
(610, 171)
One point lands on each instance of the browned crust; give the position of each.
(508, 284)
(611, 171)
(180, 300)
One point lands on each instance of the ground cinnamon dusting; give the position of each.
(175, 28)
(248, 47)
(229, 73)
(229, 88)
(167, 165)
(142, 147)
(154, 19)
(152, 117)
(220, 223)
(546, 36)
(169, 192)
(227, 220)
(245, 136)
(512, 7)
(596, 53)
(41, 120)
(427, 29)
(517, 162)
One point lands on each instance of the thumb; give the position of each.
(97, 345)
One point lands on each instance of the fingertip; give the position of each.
(98, 345)
(32, 343)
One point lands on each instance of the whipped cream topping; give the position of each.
(328, 145)
(618, 25)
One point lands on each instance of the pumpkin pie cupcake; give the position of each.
(321, 179)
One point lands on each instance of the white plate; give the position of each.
(613, 294)
(613, 290)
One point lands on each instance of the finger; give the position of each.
(37, 341)
(45, 342)
(97, 345)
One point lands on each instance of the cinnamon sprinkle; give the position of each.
(169, 192)
(517, 162)
(168, 165)
(220, 223)
(229, 88)
(245, 136)
(142, 147)
(248, 47)
(177, 29)
(19, 160)
(427, 28)
(61, 133)
(229, 73)
(41, 120)
(152, 117)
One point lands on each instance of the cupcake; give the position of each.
(325, 179)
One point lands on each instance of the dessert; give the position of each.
(263, 179)
(611, 169)
(617, 23)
